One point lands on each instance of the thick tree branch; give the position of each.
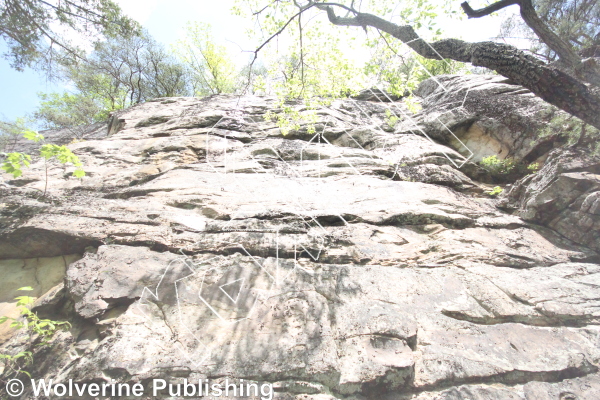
(552, 85)
(564, 51)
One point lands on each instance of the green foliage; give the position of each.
(320, 70)
(213, 69)
(576, 22)
(316, 64)
(533, 168)
(62, 110)
(429, 68)
(39, 331)
(37, 32)
(400, 74)
(119, 73)
(11, 130)
(497, 166)
(317, 73)
(15, 162)
(391, 119)
(33, 136)
(64, 155)
(507, 168)
(127, 71)
(576, 132)
(291, 118)
(413, 105)
(495, 191)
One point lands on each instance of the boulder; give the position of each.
(564, 195)
(485, 115)
(351, 258)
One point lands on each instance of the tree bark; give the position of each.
(552, 40)
(551, 84)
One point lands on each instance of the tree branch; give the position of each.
(482, 12)
(553, 41)
(564, 50)
(259, 48)
(552, 85)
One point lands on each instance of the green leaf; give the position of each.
(26, 288)
(24, 300)
(33, 136)
(14, 162)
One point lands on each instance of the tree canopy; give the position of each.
(38, 32)
(576, 21)
(304, 53)
(119, 73)
(213, 70)
(571, 84)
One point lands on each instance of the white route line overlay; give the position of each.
(152, 293)
(320, 137)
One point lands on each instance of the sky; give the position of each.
(165, 20)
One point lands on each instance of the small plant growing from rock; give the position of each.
(412, 104)
(495, 191)
(38, 330)
(390, 119)
(291, 118)
(533, 168)
(497, 166)
(15, 162)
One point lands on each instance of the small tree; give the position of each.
(37, 329)
(15, 162)
(117, 74)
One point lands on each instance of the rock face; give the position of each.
(487, 115)
(353, 259)
(564, 195)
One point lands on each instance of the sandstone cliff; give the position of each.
(360, 261)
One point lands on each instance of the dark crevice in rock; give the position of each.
(31, 242)
(161, 134)
(541, 149)
(134, 193)
(515, 377)
(541, 320)
(145, 179)
(424, 219)
(133, 222)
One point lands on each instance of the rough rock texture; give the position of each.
(41, 274)
(564, 195)
(486, 115)
(356, 262)
(59, 136)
